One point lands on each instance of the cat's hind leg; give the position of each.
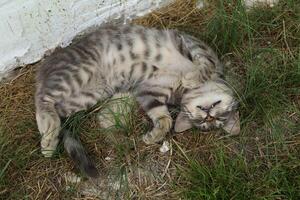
(48, 122)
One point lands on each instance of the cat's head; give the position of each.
(209, 106)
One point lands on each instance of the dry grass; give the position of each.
(144, 172)
(149, 171)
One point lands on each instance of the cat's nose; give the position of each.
(210, 118)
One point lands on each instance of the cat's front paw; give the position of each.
(201, 60)
(197, 59)
(154, 136)
(48, 146)
(160, 130)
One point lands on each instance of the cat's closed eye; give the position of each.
(213, 105)
(222, 119)
(216, 103)
(224, 114)
(201, 108)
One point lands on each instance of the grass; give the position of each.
(260, 48)
(235, 178)
(264, 43)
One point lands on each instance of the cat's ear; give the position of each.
(232, 126)
(182, 123)
(191, 79)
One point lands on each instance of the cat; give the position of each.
(159, 67)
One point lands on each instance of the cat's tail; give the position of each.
(78, 154)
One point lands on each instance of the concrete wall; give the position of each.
(29, 28)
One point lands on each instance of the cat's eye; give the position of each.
(216, 103)
(223, 116)
(222, 119)
(200, 107)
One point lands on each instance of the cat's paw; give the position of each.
(197, 59)
(154, 136)
(48, 146)
(158, 133)
(202, 61)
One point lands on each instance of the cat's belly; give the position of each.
(75, 103)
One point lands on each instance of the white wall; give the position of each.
(28, 28)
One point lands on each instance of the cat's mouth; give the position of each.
(209, 123)
(207, 128)
(204, 125)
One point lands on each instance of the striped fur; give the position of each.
(158, 66)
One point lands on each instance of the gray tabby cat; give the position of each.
(160, 67)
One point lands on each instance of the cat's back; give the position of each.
(110, 49)
(106, 40)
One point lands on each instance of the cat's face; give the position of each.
(209, 107)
